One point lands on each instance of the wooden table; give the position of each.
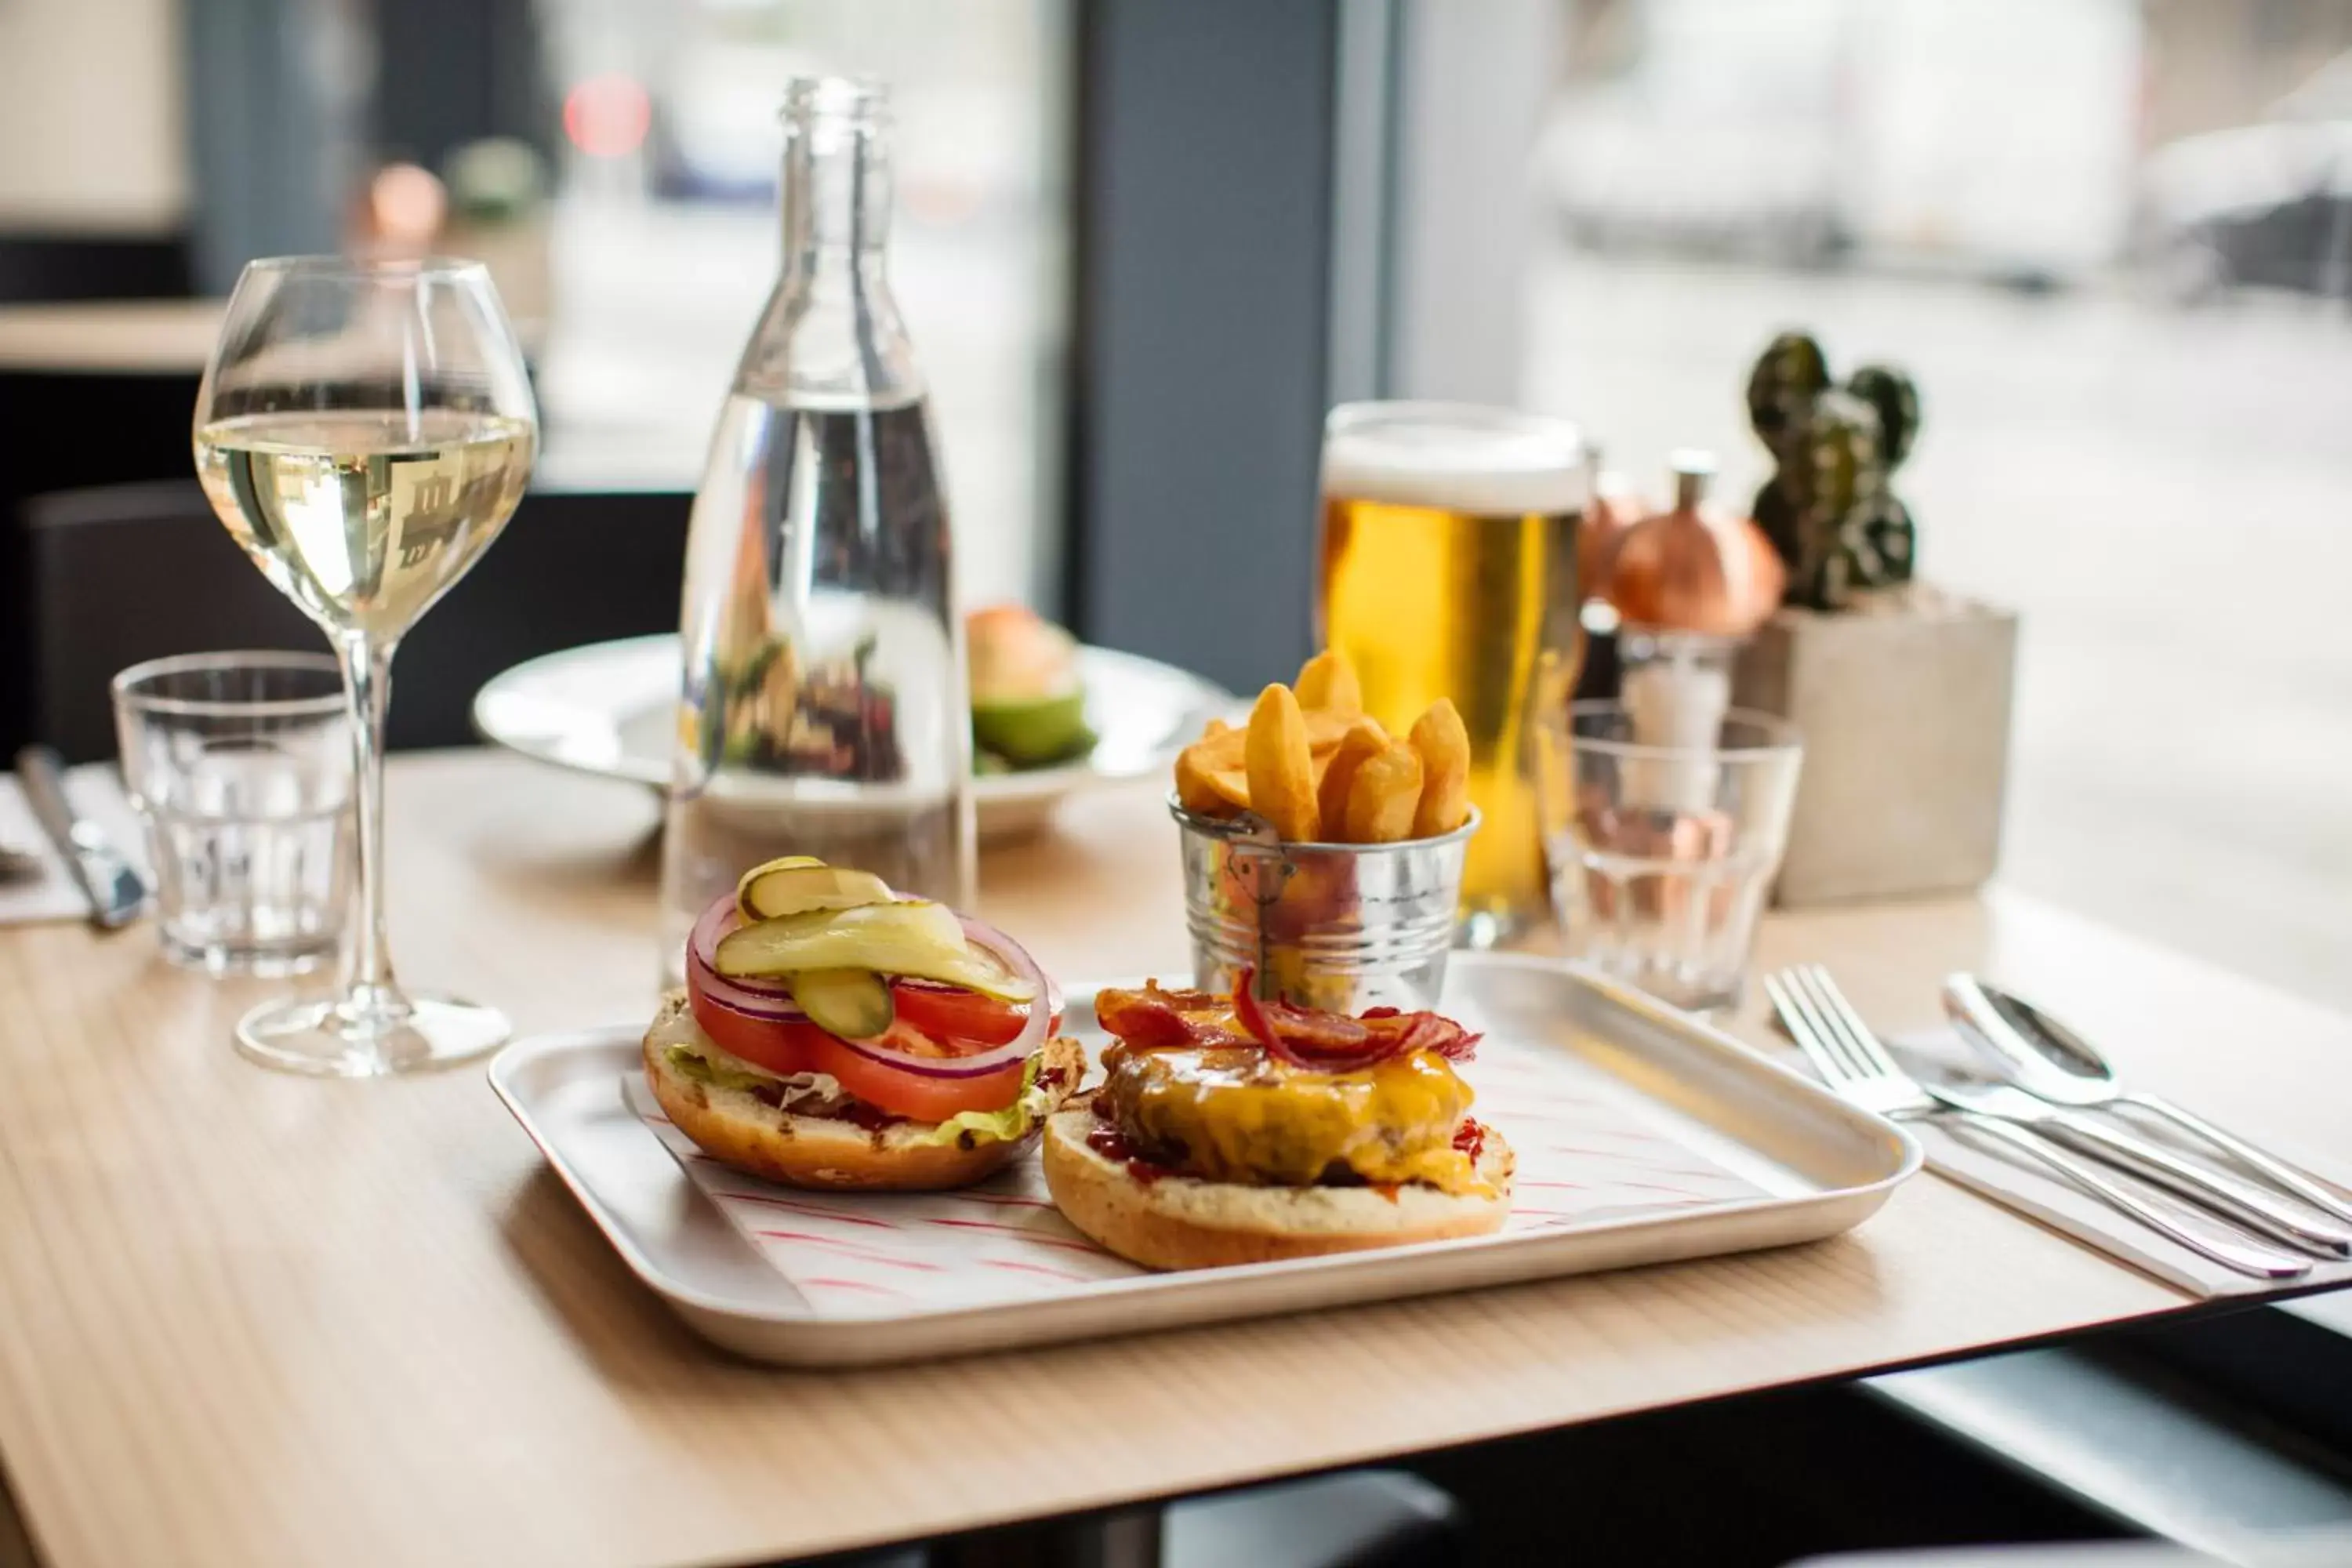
(253, 1319)
(113, 336)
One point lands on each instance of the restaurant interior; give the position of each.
(1397, 782)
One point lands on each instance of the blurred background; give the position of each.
(1141, 243)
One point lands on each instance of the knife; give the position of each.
(115, 890)
(2250, 1206)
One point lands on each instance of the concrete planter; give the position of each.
(1904, 704)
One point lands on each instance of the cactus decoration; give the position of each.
(1827, 508)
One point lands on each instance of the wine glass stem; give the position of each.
(368, 985)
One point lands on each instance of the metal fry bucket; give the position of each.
(1340, 926)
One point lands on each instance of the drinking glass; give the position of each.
(239, 765)
(1662, 855)
(364, 430)
(1449, 570)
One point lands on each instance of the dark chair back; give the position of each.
(61, 429)
(135, 572)
(53, 267)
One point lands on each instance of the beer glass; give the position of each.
(1448, 569)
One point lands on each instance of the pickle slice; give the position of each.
(854, 1004)
(795, 886)
(782, 863)
(915, 938)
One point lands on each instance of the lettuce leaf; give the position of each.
(717, 1075)
(1009, 1125)
(722, 1069)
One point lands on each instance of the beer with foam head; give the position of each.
(1449, 570)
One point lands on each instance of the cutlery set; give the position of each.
(2048, 1103)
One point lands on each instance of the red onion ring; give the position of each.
(771, 1002)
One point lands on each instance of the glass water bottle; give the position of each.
(824, 709)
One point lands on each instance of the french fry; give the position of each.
(1365, 739)
(1384, 796)
(1280, 767)
(1327, 683)
(1444, 749)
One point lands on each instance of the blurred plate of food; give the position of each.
(1051, 715)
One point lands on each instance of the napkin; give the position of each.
(2017, 1181)
(96, 791)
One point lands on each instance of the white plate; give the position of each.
(611, 709)
(1783, 1162)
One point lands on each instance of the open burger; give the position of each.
(833, 1035)
(1233, 1130)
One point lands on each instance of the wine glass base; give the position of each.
(328, 1037)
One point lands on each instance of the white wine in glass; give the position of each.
(356, 519)
(364, 430)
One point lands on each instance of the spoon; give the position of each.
(2052, 1062)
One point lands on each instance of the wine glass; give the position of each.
(364, 430)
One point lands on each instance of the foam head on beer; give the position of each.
(1468, 464)
(1449, 542)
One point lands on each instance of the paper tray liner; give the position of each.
(1585, 1154)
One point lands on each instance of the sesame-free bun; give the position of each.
(1181, 1222)
(735, 1129)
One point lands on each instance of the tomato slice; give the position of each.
(912, 1094)
(946, 1011)
(789, 1046)
(781, 1046)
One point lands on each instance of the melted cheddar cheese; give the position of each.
(1241, 1115)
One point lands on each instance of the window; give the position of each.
(2112, 240)
(664, 235)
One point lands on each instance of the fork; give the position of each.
(1858, 1070)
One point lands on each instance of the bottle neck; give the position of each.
(836, 198)
(831, 332)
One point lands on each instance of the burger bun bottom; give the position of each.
(1181, 1222)
(735, 1127)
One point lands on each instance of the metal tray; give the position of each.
(1808, 1166)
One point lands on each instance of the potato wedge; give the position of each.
(1444, 748)
(1201, 787)
(1384, 796)
(1327, 683)
(1220, 763)
(1326, 730)
(1221, 747)
(1365, 739)
(1280, 767)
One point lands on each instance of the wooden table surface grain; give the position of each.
(253, 1320)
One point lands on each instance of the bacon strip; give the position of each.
(1333, 1042)
(1153, 1019)
(1156, 1019)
